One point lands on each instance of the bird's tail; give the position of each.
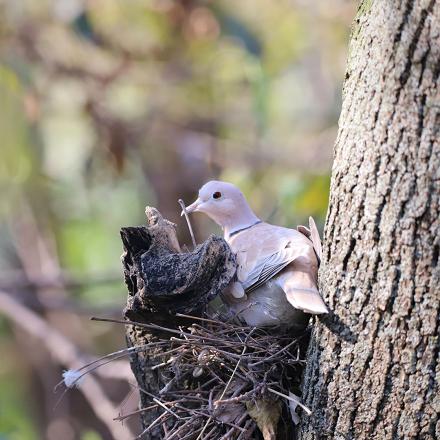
(308, 301)
(301, 291)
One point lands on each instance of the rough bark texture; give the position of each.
(373, 365)
(162, 279)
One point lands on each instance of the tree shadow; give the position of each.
(335, 324)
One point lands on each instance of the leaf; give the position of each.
(266, 414)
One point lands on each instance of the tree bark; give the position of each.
(372, 364)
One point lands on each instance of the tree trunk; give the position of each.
(372, 365)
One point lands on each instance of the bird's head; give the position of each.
(224, 203)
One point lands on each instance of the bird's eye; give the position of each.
(217, 195)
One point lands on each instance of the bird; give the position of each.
(277, 267)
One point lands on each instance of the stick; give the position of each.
(307, 410)
(152, 425)
(166, 408)
(228, 383)
(274, 355)
(154, 327)
(182, 204)
(126, 416)
(66, 353)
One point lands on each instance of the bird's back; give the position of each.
(265, 246)
(278, 269)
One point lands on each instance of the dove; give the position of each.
(277, 267)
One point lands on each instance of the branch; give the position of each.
(65, 352)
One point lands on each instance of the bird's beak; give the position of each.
(193, 207)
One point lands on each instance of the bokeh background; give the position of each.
(109, 105)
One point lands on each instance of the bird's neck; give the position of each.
(246, 219)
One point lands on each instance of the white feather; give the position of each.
(72, 378)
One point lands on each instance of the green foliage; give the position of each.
(91, 435)
(17, 158)
(16, 422)
(312, 199)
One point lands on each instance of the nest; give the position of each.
(222, 381)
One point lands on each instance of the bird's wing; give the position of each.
(264, 251)
(316, 239)
(312, 234)
(267, 267)
(300, 288)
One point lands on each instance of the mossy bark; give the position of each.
(372, 365)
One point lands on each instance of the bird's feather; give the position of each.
(300, 291)
(316, 240)
(265, 251)
(312, 234)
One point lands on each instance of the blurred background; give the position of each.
(110, 105)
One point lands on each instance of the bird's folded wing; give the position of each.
(314, 236)
(266, 253)
(301, 290)
(268, 267)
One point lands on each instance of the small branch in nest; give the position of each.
(307, 410)
(227, 384)
(165, 408)
(240, 398)
(182, 204)
(152, 425)
(138, 411)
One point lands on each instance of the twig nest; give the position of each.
(225, 380)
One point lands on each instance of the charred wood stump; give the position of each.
(161, 279)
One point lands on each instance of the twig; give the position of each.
(235, 369)
(66, 353)
(198, 318)
(240, 398)
(274, 355)
(226, 387)
(138, 411)
(152, 327)
(230, 432)
(248, 429)
(152, 425)
(182, 204)
(307, 410)
(165, 408)
(177, 431)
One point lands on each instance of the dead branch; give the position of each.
(65, 352)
